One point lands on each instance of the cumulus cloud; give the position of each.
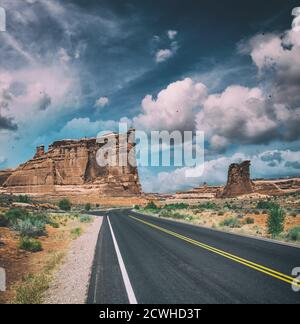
(174, 108)
(102, 102)
(237, 115)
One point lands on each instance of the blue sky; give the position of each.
(70, 69)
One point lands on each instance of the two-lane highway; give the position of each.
(144, 259)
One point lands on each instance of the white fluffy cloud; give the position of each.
(102, 102)
(174, 108)
(237, 115)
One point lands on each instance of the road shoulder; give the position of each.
(71, 281)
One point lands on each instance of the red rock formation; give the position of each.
(70, 165)
(238, 182)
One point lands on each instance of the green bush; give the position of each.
(208, 205)
(276, 220)
(65, 204)
(30, 244)
(230, 206)
(294, 233)
(88, 207)
(30, 227)
(232, 222)
(24, 199)
(76, 232)
(176, 206)
(15, 214)
(249, 220)
(54, 225)
(85, 219)
(266, 204)
(151, 205)
(136, 207)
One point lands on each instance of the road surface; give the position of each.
(148, 260)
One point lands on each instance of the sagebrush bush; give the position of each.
(232, 222)
(65, 204)
(276, 220)
(15, 214)
(30, 227)
(294, 233)
(85, 219)
(30, 244)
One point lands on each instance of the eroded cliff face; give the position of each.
(71, 165)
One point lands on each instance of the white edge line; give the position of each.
(129, 290)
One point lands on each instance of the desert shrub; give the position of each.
(23, 199)
(15, 214)
(54, 225)
(3, 221)
(249, 220)
(76, 232)
(230, 206)
(65, 204)
(294, 233)
(266, 204)
(293, 214)
(178, 216)
(257, 212)
(221, 213)
(232, 222)
(176, 206)
(85, 219)
(152, 206)
(136, 207)
(31, 291)
(208, 205)
(30, 244)
(240, 216)
(165, 213)
(30, 227)
(87, 207)
(276, 220)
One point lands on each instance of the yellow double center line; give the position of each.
(250, 264)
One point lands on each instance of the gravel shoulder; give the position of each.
(71, 281)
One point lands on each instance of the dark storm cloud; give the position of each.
(294, 165)
(45, 101)
(7, 124)
(272, 156)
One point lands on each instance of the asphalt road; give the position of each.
(167, 262)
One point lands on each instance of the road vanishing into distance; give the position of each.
(149, 260)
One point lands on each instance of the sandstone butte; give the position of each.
(69, 169)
